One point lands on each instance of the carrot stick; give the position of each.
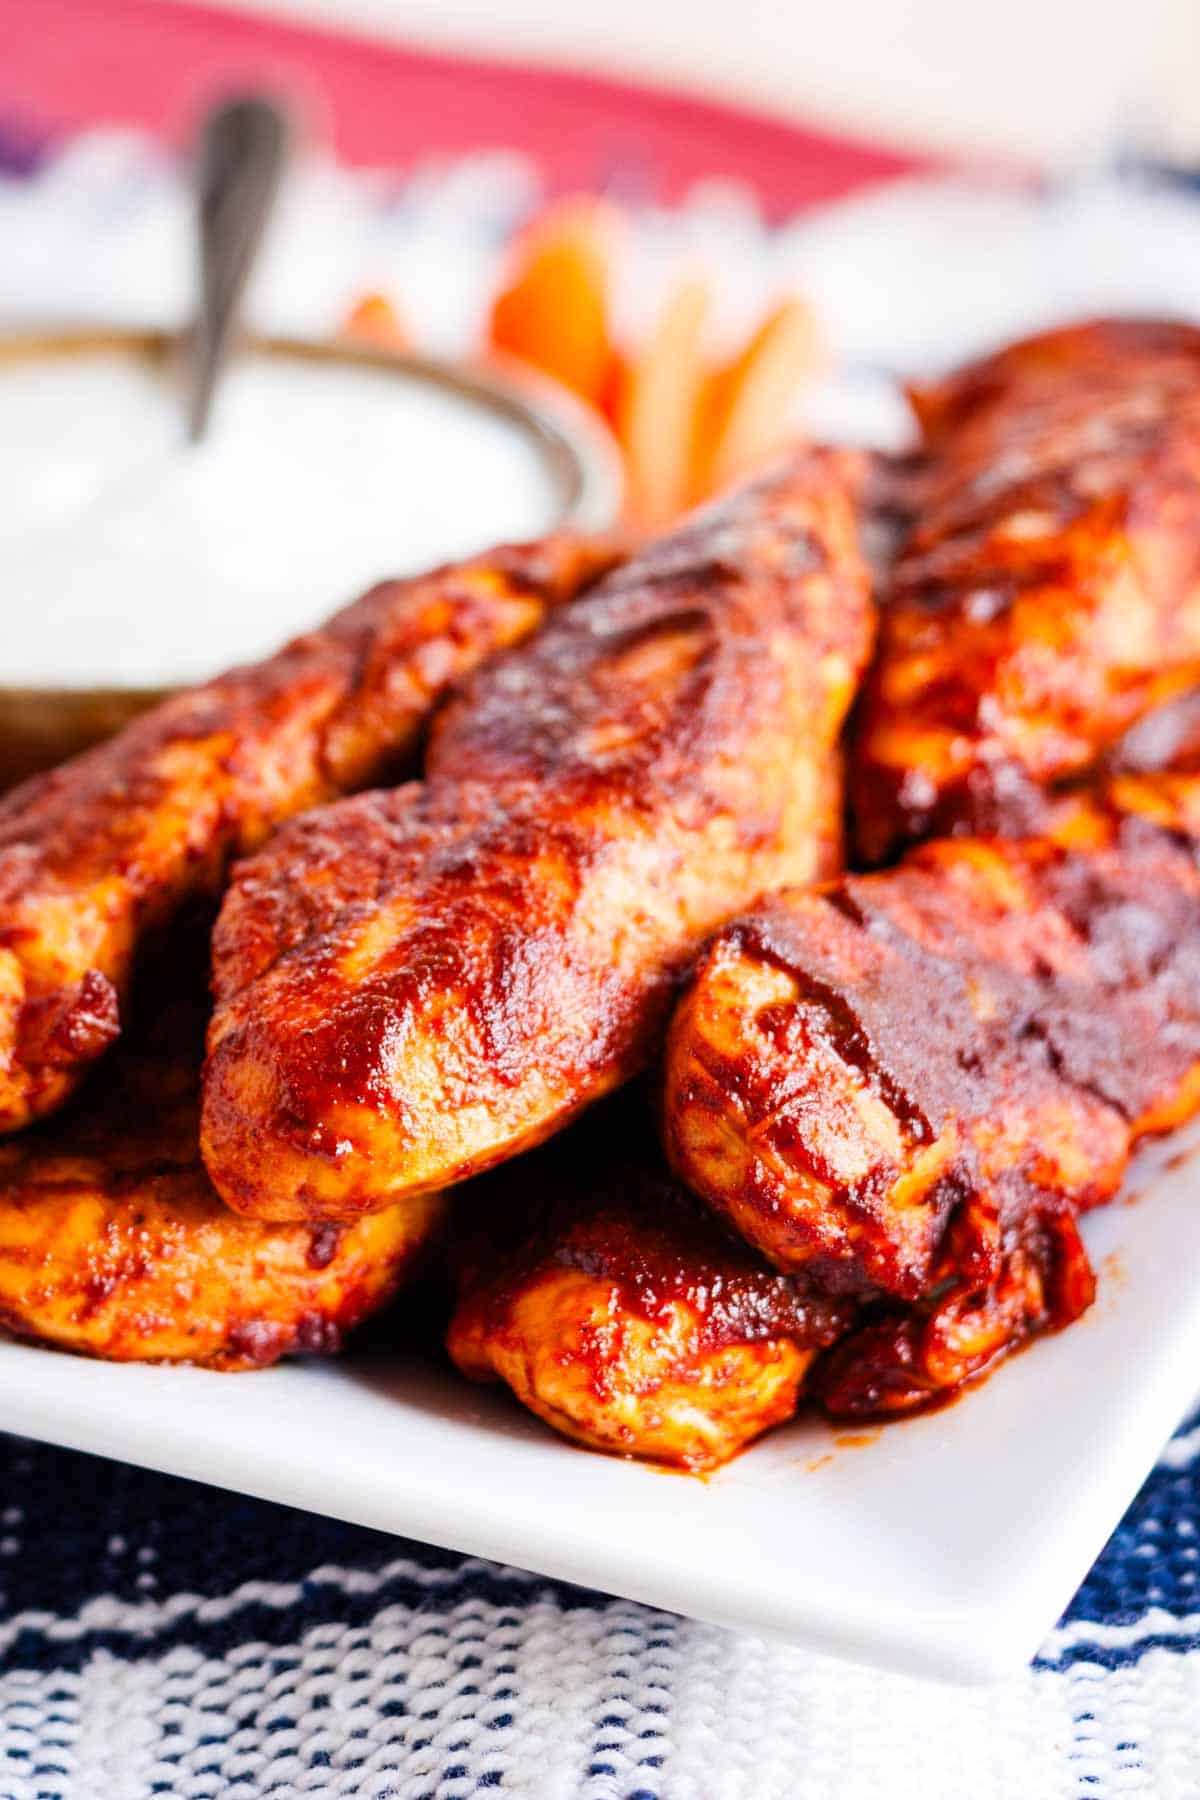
(744, 415)
(656, 409)
(376, 320)
(553, 309)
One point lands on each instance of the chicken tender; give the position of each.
(1166, 739)
(114, 1243)
(110, 845)
(904, 1359)
(413, 986)
(1046, 589)
(912, 1066)
(621, 1314)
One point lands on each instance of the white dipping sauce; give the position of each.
(130, 558)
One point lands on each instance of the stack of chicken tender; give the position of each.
(278, 1025)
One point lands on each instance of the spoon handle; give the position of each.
(242, 151)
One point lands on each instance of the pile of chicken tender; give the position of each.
(733, 961)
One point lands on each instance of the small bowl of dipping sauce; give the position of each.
(133, 562)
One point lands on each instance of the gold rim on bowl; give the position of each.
(40, 726)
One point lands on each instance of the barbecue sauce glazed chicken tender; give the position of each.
(1045, 593)
(906, 1085)
(414, 985)
(619, 1311)
(899, 1089)
(113, 1242)
(105, 849)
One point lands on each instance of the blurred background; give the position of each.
(1047, 78)
(709, 226)
(715, 224)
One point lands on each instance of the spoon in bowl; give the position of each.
(243, 148)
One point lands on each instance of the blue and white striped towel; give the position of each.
(161, 1638)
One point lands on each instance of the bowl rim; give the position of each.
(574, 443)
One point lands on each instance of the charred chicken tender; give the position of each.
(113, 1242)
(1045, 593)
(412, 986)
(902, 1359)
(885, 1083)
(1166, 739)
(106, 848)
(624, 1316)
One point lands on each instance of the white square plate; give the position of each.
(947, 1544)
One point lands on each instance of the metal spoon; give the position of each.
(242, 150)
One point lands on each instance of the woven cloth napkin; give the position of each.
(158, 1637)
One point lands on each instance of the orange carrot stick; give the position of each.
(744, 415)
(553, 309)
(656, 409)
(376, 320)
